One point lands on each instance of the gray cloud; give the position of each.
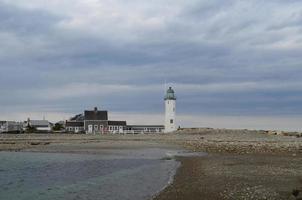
(223, 57)
(25, 22)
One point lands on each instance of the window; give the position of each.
(96, 127)
(101, 127)
(171, 121)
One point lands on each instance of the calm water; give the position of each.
(127, 174)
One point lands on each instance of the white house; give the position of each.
(39, 125)
(10, 127)
(74, 126)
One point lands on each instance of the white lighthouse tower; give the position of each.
(170, 111)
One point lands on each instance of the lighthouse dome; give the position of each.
(170, 95)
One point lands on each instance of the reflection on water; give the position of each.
(127, 174)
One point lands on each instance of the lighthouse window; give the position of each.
(171, 121)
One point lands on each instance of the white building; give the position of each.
(39, 125)
(170, 111)
(10, 127)
(135, 129)
(96, 122)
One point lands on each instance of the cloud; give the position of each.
(223, 58)
(25, 22)
(287, 123)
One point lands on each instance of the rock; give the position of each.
(296, 192)
(35, 143)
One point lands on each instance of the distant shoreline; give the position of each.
(197, 139)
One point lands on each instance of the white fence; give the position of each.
(140, 132)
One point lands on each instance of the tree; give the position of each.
(30, 129)
(58, 127)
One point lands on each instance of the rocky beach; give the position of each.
(240, 164)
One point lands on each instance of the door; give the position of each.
(121, 130)
(89, 128)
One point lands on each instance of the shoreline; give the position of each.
(204, 140)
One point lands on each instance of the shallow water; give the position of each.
(116, 174)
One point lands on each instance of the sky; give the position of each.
(233, 64)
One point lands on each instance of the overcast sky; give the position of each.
(232, 63)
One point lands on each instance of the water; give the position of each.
(116, 174)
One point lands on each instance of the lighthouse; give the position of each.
(170, 111)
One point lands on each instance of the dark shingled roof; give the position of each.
(74, 124)
(117, 123)
(78, 117)
(95, 115)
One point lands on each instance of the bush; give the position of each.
(58, 127)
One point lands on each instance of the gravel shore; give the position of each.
(206, 140)
(241, 165)
(236, 177)
(240, 141)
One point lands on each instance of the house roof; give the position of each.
(39, 123)
(9, 123)
(95, 114)
(78, 117)
(117, 123)
(74, 124)
(60, 122)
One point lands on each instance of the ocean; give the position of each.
(135, 174)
